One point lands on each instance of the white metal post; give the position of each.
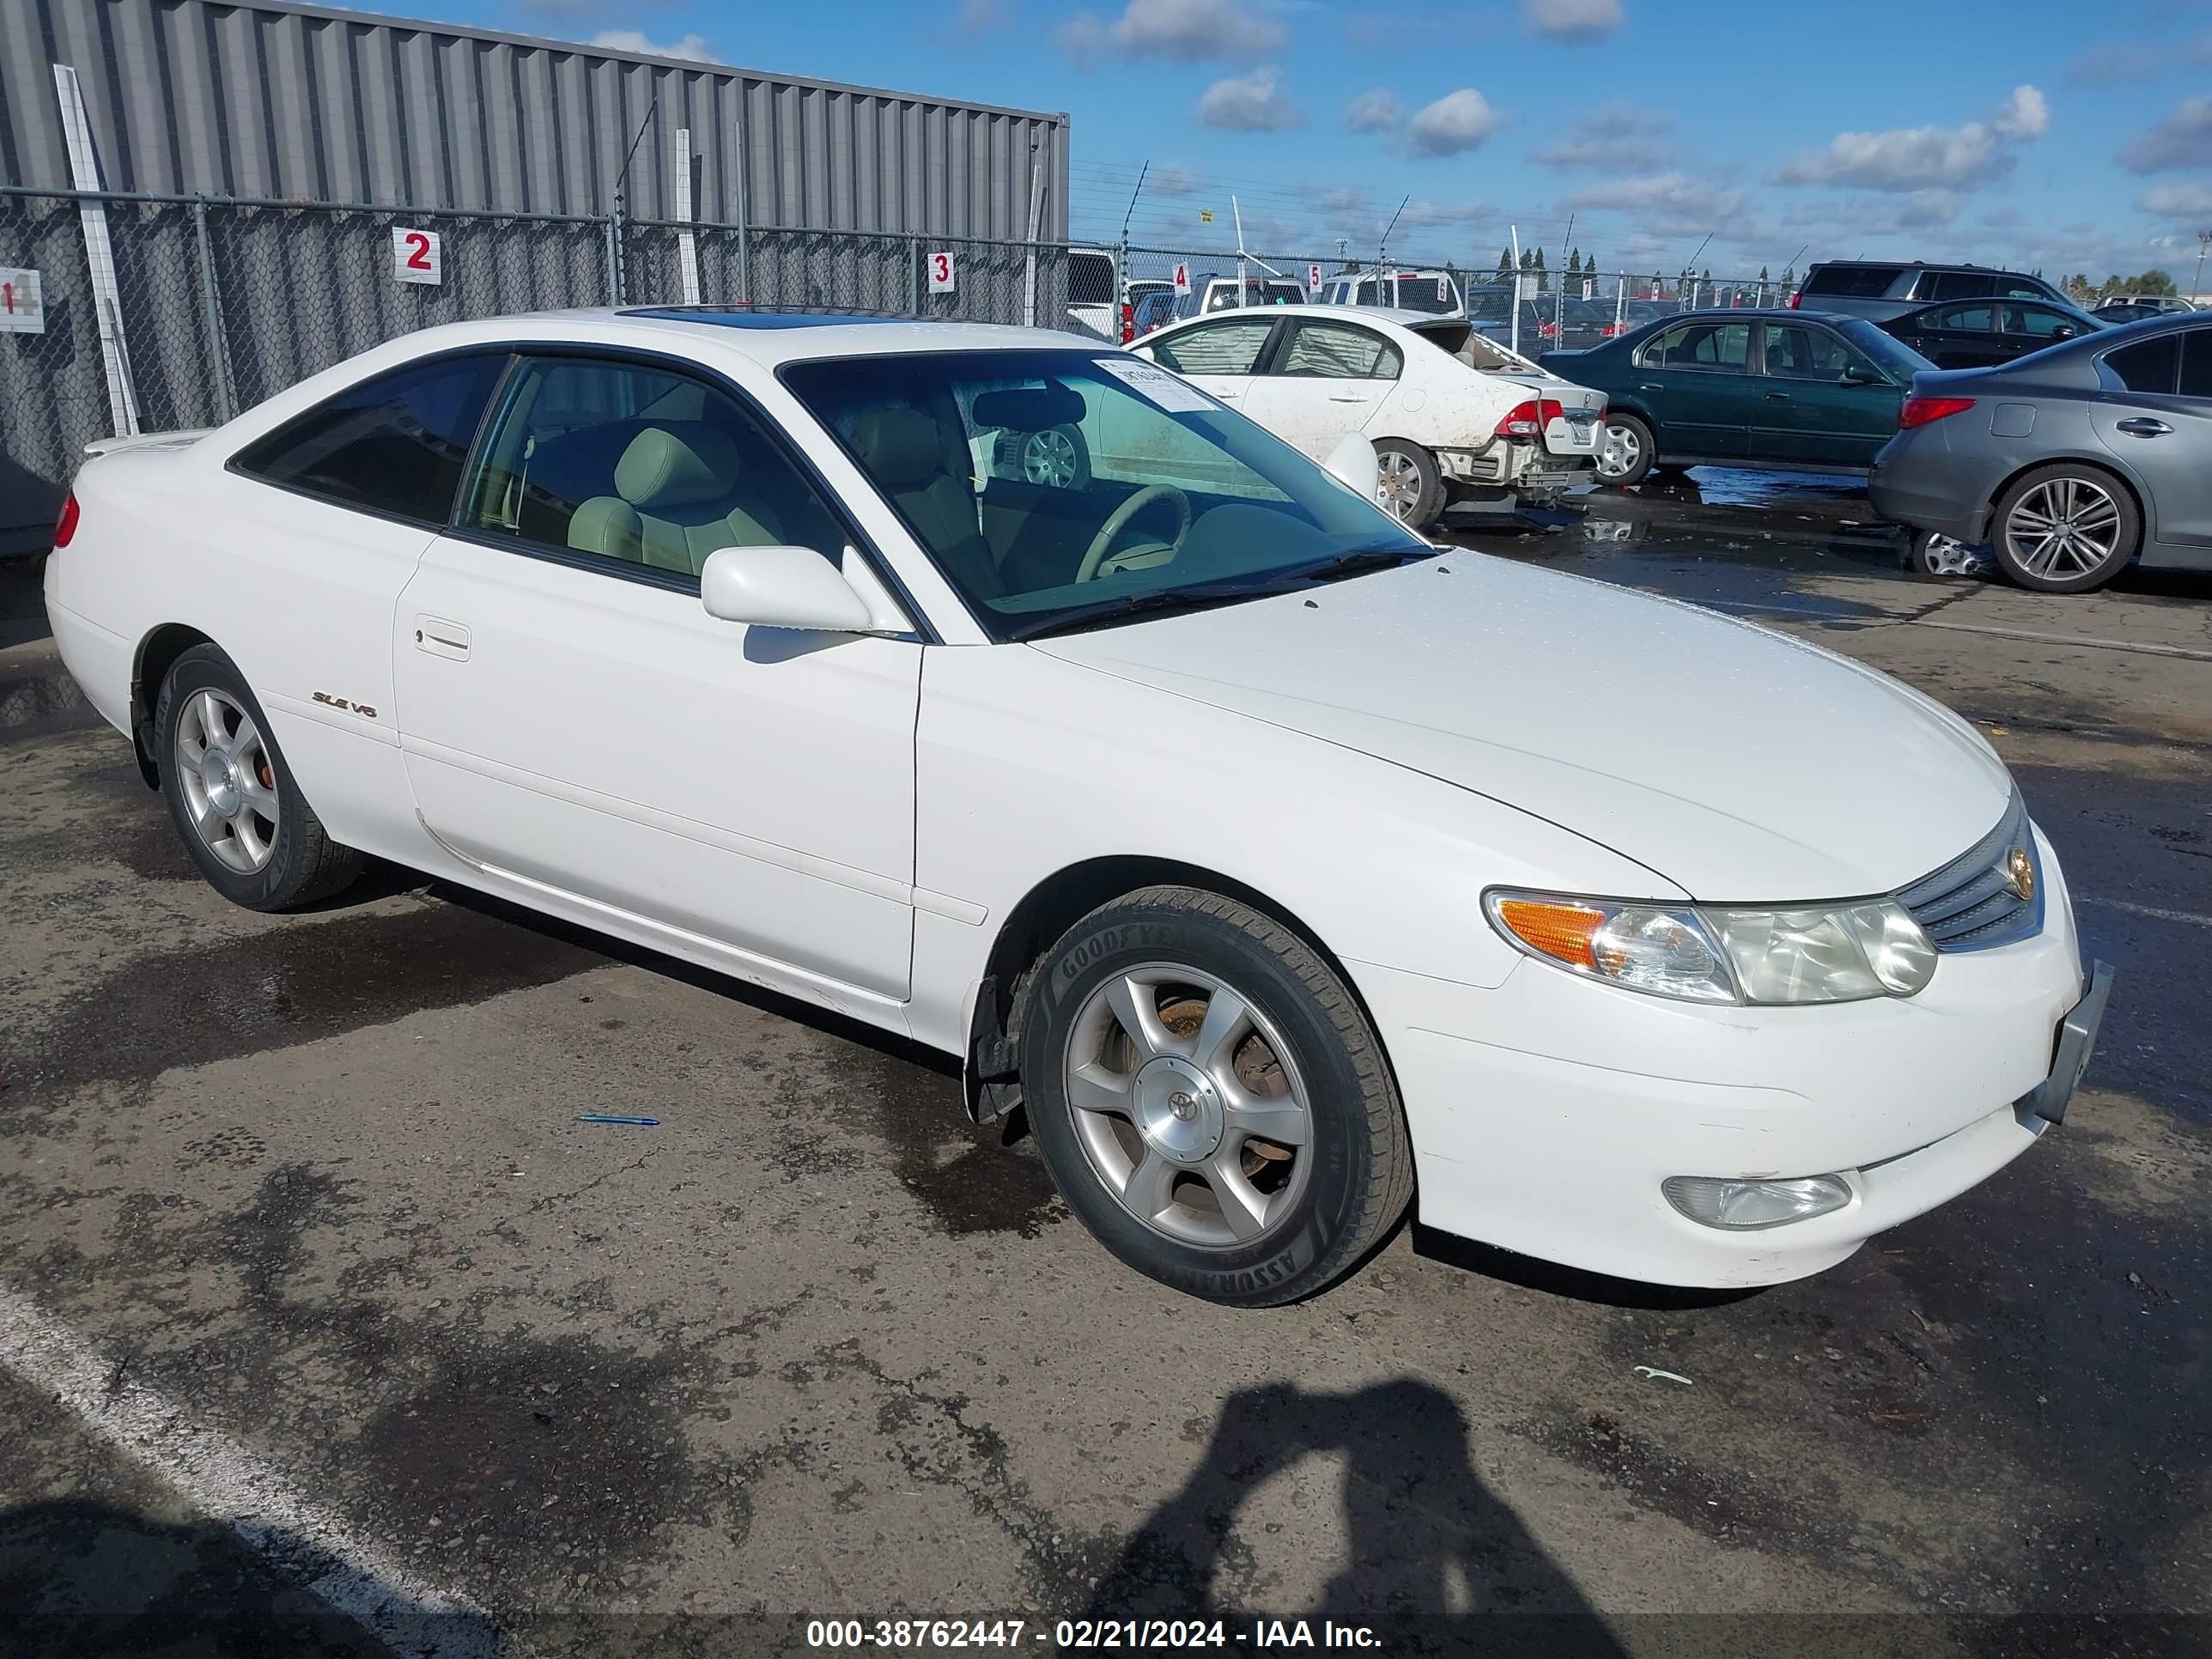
(99, 255)
(1514, 326)
(1036, 212)
(687, 241)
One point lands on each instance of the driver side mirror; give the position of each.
(781, 587)
(1353, 465)
(2064, 331)
(1862, 374)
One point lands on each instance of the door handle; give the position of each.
(1336, 399)
(2143, 427)
(1646, 385)
(1228, 395)
(1778, 397)
(441, 638)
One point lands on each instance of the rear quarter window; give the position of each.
(2152, 366)
(1854, 282)
(394, 444)
(2197, 363)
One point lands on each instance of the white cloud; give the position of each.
(1619, 137)
(1173, 180)
(1438, 215)
(1923, 158)
(1573, 22)
(1673, 204)
(2191, 202)
(1454, 123)
(1190, 31)
(980, 17)
(691, 45)
(1340, 201)
(2113, 66)
(1376, 110)
(2183, 139)
(1250, 103)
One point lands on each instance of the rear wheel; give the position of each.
(236, 804)
(1409, 482)
(1934, 554)
(1210, 1099)
(1626, 454)
(2066, 529)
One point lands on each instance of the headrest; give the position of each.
(1030, 409)
(676, 464)
(902, 446)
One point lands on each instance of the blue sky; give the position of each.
(2020, 132)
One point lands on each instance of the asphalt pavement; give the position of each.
(326, 1328)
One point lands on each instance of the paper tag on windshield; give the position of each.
(1163, 389)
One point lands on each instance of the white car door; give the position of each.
(1220, 358)
(1327, 380)
(573, 718)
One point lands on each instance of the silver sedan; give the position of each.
(2067, 465)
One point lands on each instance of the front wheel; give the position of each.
(1626, 454)
(1210, 1100)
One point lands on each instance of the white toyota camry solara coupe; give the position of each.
(1284, 869)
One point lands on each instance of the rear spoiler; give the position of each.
(147, 440)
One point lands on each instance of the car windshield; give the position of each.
(1057, 487)
(1887, 350)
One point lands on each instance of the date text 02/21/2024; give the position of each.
(1069, 1635)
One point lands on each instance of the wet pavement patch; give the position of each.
(969, 1179)
(293, 984)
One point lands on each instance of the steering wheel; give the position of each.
(1095, 555)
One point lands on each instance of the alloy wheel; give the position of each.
(1947, 556)
(2065, 527)
(1049, 458)
(1188, 1105)
(229, 783)
(1398, 485)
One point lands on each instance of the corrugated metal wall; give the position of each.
(272, 99)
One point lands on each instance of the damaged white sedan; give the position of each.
(1455, 419)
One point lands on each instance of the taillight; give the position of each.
(1528, 420)
(1549, 331)
(1128, 324)
(1611, 329)
(1793, 299)
(1920, 411)
(65, 526)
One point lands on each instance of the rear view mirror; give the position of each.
(1353, 465)
(781, 587)
(2064, 331)
(1862, 374)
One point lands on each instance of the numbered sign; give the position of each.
(1589, 288)
(22, 311)
(1313, 279)
(943, 279)
(1183, 279)
(1443, 290)
(1658, 291)
(416, 257)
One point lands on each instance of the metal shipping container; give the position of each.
(274, 99)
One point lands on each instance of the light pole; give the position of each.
(2196, 284)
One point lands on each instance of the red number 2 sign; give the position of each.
(416, 256)
(942, 278)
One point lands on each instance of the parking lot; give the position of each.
(298, 1208)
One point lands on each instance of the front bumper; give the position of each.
(1546, 1113)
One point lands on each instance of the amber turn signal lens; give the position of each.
(1562, 932)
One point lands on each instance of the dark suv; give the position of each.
(1879, 290)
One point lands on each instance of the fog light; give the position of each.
(1746, 1206)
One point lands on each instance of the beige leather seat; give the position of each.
(925, 467)
(679, 495)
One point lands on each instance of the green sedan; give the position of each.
(1808, 390)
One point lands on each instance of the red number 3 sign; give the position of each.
(416, 256)
(941, 275)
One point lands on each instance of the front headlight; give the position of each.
(1762, 954)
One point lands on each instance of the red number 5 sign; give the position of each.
(941, 273)
(416, 257)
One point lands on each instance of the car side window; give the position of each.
(2197, 363)
(2040, 321)
(1226, 347)
(1338, 351)
(1966, 320)
(2018, 291)
(1722, 348)
(2152, 365)
(395, 443)
(1798, 352)
(640, 466)
(1962, 285)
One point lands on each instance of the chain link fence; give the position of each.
(206, 306)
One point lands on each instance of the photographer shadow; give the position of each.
(1436, 1563)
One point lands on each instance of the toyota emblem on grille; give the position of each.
(2020, 873)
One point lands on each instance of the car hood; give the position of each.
(1737, 763)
